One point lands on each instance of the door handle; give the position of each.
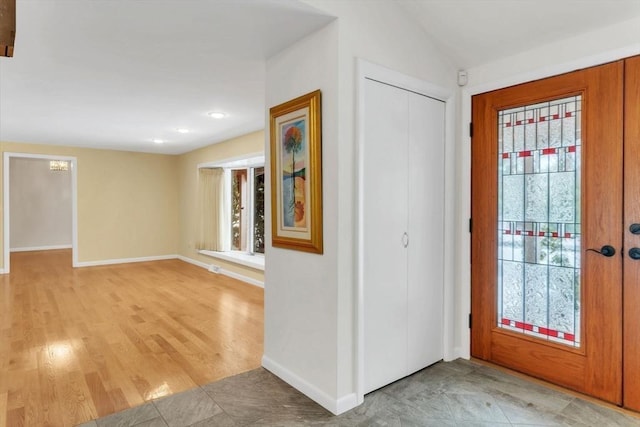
(608, 251)
(634, 228)
(634, 253)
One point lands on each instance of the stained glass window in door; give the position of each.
(539, 220)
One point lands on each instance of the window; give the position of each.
(247, 209)
(231, 210)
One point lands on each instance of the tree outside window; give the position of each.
(247, 210)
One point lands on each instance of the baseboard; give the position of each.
(194, 262)
(40, 248)
(242, 278)
(346, 403)
(222, 271)
(451, 354)
(448, 357)
(124, 260)
(462, 352)
(335, 406)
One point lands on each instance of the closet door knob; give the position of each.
(405, 239)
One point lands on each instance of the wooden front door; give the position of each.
(631, 263)
(547, 211)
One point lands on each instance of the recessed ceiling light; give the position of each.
(157, 141)
(217, 115)
(182, 130)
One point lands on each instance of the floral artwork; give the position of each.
(293, 171)
(296, 194)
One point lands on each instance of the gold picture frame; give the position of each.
(296, 174)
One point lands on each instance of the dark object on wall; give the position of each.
(7, 27)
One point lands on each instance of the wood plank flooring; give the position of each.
(78, 344)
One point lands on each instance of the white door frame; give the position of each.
(6, 203)
(365, 71)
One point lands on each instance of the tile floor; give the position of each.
(459, 393)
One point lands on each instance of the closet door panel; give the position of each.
(385, 220)
(426, 231)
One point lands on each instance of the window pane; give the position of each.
(258, 214)
(238, 203)
(539, 220)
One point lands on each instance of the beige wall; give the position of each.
(127, 202)
(133, 205)
(188, 185)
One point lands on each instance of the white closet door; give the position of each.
(426, 231)
(385, 220)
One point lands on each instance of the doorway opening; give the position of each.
(25, 233)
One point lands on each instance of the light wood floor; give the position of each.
(77, 344)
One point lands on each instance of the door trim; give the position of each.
(6, 203)
(366, 70)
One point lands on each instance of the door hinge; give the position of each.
(470, 225)
(470, 130)
(469, 320)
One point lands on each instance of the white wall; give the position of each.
(581, 51)
(300, 288)
(380, 33)
(40, 205)
(310, 312)
(584, 50)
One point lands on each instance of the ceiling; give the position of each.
(473, 32)
(117, 74)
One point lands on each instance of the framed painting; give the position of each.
(296, 174)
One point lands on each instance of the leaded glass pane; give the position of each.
(537, 202)
(562, 190)
(536, 295)
(539, 220)
(513, 199)
(512, 289)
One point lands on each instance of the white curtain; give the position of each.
(212, 231)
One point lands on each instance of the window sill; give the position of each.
(242, 258)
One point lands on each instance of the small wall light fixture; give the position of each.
(58, 165)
